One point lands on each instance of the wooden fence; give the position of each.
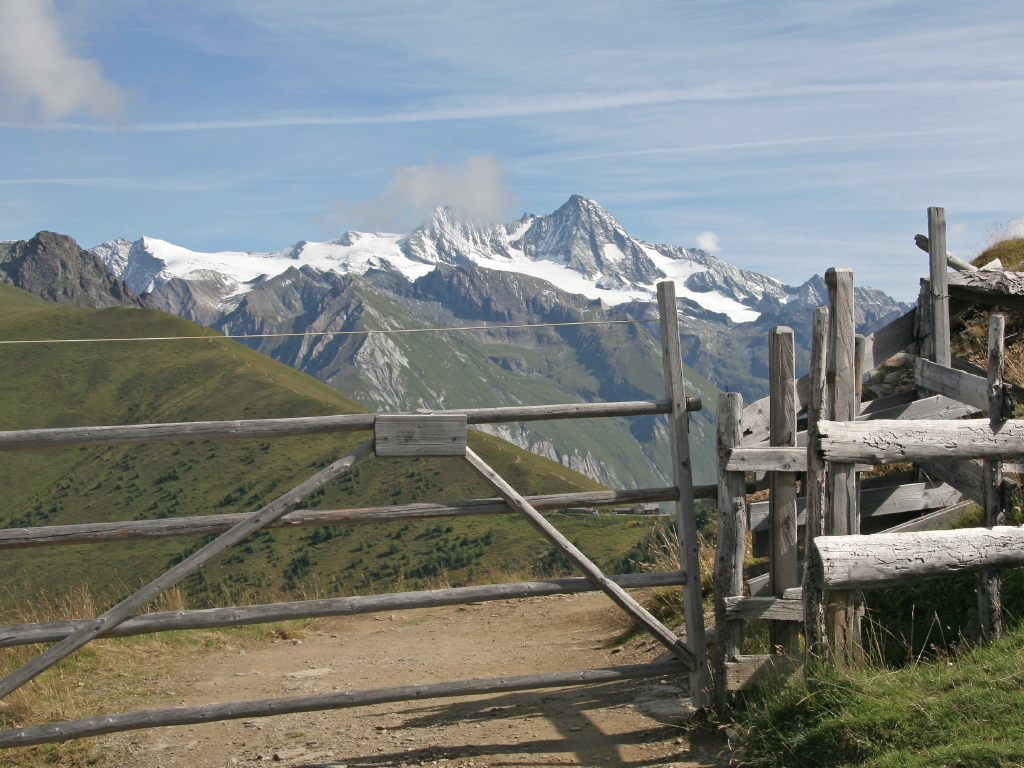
(843, 437)
(420, 434)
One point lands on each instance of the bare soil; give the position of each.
(606, 725)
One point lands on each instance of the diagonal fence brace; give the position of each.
(186, 567)
(618, 595)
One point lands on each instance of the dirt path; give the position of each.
(607, 725)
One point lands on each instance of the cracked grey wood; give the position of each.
(996, 287)
(939, 277)
(309, 425)
(746, 672)
(814, 626)
(682, 476)
(957, 385)
(886, 559)
(235, 710)
(126, 530)
(767, 460)
(765, 608)
(167, 621)
(131, 604)
(990, 605)
(434, 434)
(888, 441)
(782, 537)
(732, 541)
(841, 515)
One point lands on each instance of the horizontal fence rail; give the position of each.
(886, 442)
(166, 621)
(66, 437)
(235, 710)
(126, 530)
(883, 560)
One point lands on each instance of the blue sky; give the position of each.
(791, 136)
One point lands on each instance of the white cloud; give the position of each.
(475, 189)
(708, 241)
(41, 78)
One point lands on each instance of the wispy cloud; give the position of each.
(475, 189)
(708, 241)
(560, 104)
(41, 77)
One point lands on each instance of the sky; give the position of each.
(785, 137)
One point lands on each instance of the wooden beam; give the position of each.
(815, 483)
(732, 542)
(765, 608)
(990, 605)
(782, 537)
(131, 604)
(747, 672)
(682, 475)
(434, 434)
(886, 559)
(842, 620)
(767, 460)
(202, 525)
(211, 618)
(953, 261)
(887, 441)
(618, 595)
(939, 520)
(933, 408)
(957, 385)
(890, 340)
(235, 710)
(939, 285)
(310, 425)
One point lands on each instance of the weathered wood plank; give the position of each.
(767, 460)
(933, 408)
(960, 386)
(732, 541)
(765, 608)
(875, 502)
(782, 538)
(131, 604)
(748, 671)
(953, 261)
(618, 595)
(989, 286)
(682, 475)
(235, 710)
(885, 559)
(842, 622)
(755, 421)
(814, 627)
(433, 434)
(126, 530)
(890, 340)
(167, 621)
(939, 520)
(887, 441)
(990, 605)
(261, 428)
(939, 277)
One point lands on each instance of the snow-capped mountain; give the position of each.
(576, 264)
(580, 247)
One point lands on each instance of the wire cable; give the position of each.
(331, 333)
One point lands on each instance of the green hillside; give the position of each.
(59, 385)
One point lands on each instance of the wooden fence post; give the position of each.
(939, 286)
(732, 542)
(841, 512)
(990, 613)
(782, 508)
(682, 475)
(818, 397)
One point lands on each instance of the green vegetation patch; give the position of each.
(956, 711)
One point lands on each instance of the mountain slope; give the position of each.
(137, 382)
(54, 267)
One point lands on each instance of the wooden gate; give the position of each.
(422, 434)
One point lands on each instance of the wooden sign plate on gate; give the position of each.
(435, 434)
